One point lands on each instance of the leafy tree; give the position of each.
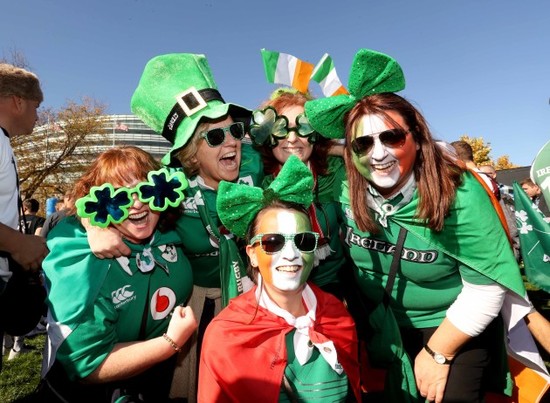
(481, 150)
(503, 162)
(482, 153)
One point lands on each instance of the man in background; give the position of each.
(33, 222)
(61, 208)
(534, 192)
(20, 96)
(466, 154)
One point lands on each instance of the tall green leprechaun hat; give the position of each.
(371, 73)
(176, 92)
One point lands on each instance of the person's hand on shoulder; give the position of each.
(105, 243)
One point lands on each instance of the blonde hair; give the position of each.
(15, 81)
(187, 155)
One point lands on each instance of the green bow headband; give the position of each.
(105, 205)
(239, 204)
(371, 73)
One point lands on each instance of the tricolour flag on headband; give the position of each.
(534, 239)
(325, 74)
(285, 69)
(121, 126)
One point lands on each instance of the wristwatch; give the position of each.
(438, 357)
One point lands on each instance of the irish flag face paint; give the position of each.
(387, 168)
(288, 269)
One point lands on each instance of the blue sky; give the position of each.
(475, 67)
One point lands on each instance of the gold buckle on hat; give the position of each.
(191, 101)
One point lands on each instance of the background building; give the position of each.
(44, 149)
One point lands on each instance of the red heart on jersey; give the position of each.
(162, 302)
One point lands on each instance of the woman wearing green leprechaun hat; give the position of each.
(178, 97)
(285, 339)
(417, 226)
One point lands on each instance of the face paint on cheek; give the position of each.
(367, 126)
(288, 269)
(362, 165)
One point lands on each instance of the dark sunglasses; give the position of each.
(272, 243)
(216, 137)
(392, 138)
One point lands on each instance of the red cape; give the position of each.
(244, 355)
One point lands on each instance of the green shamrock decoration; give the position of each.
(163, 189)
(105, 205)
(264, 123)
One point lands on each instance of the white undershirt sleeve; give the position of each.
(475, 307)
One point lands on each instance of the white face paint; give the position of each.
(385, 167)
(287, 265)
(288, 269)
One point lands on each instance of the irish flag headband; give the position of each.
(285, 69)
(105, 205)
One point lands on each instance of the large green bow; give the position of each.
(238, 204)
(371, 73)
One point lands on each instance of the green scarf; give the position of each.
(232, 268)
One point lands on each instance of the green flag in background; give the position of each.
(540, 172)
(534, 240)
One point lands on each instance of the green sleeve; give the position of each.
(90, 342)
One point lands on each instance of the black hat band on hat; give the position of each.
(188, 103)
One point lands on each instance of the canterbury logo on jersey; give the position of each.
(189, 205)
(122, 296)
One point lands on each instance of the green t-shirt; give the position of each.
(426, 284)
(313, 381)
(98, 303)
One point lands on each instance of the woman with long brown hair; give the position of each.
(417, 226)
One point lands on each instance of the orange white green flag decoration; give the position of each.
(325, 74)
(285, 69)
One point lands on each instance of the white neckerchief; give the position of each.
(303, 346)
(387, 207)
